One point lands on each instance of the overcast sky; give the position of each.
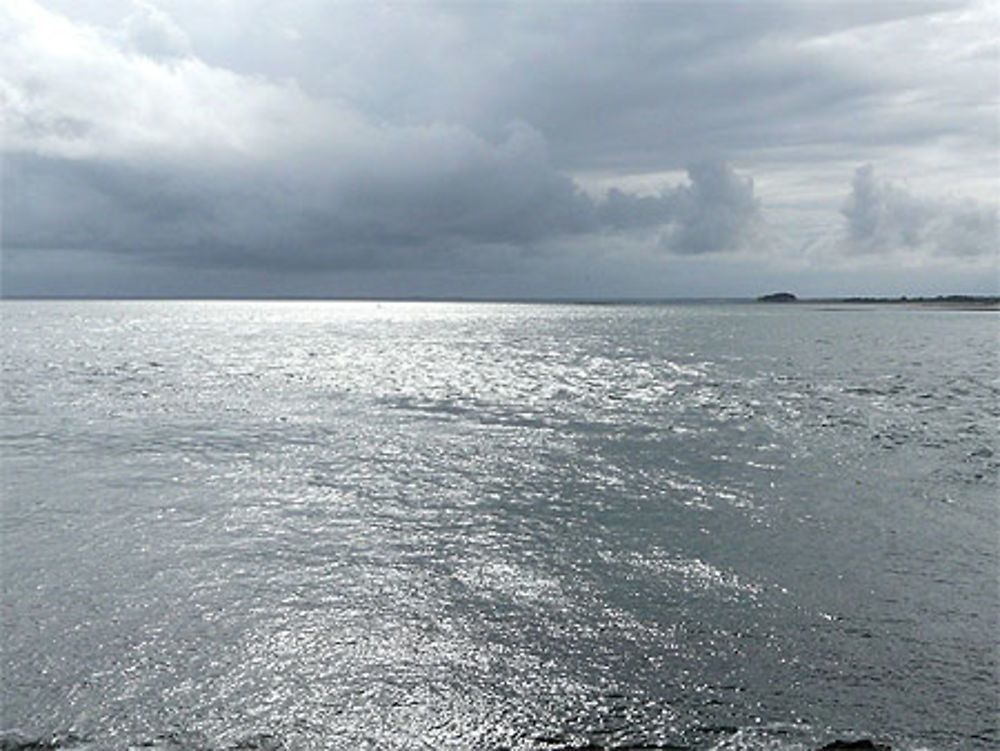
(599, 149)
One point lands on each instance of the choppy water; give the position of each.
(409, 526)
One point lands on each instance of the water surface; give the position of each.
(476, 526)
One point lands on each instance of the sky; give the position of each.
(305, 148)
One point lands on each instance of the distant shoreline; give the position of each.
(951, 302)
(947, 302)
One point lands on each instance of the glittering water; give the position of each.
(403, 526)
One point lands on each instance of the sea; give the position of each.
(232, 525)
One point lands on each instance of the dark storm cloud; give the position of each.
(407, 197)
(883, 217)
(716, 210)
(446, 211)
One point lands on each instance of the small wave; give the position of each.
(16, 741)
(787, 737)
(694, 574)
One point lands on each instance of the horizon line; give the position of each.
(579, 300)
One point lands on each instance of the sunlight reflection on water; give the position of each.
(375, 525)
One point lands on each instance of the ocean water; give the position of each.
(237, 525)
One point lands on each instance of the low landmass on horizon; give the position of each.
(963, 301)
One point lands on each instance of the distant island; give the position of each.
(778, 297)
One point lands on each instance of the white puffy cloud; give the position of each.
(75, 91)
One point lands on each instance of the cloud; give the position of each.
(716, 212)
(76, 91)
(151, 32)
(395, 197)
(459, 199)
(884, 218)
(110, 148)
(647, 87)
(458, 137)
(164, 157)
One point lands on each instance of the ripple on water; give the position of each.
(319, 526)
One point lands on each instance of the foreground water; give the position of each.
(402, 526)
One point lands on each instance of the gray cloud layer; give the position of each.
(315, 137)
(444, 207)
